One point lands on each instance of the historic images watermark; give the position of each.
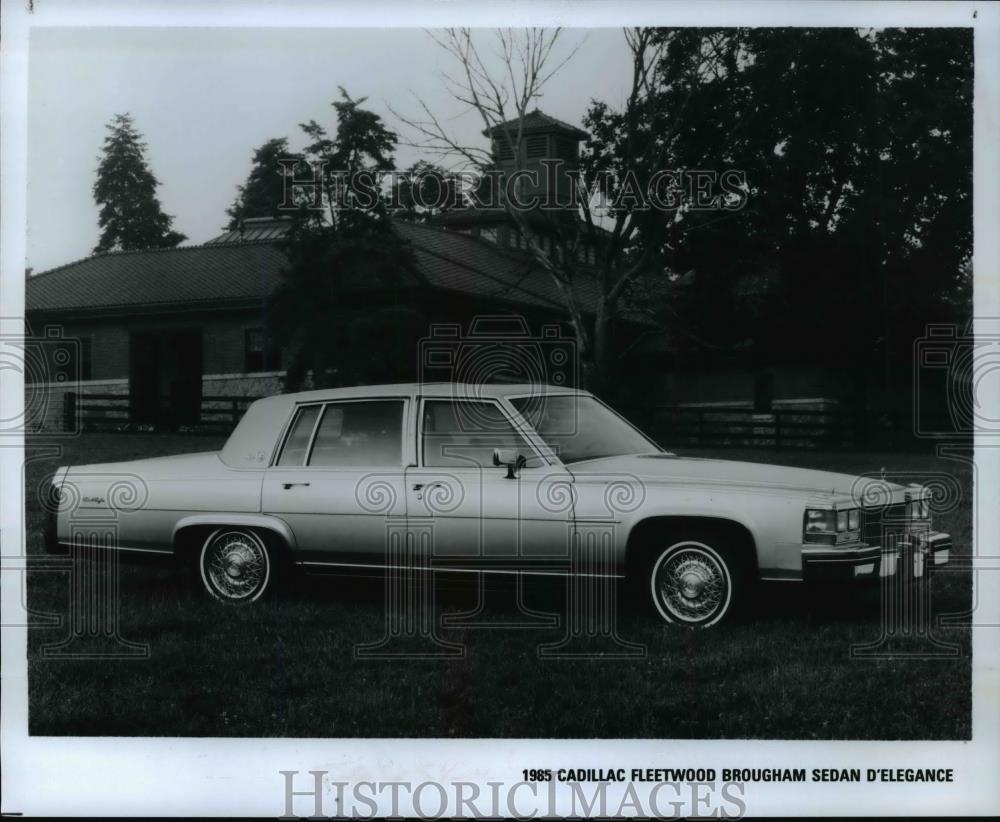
(907, 562)
(51, 364)
(615, 795)
(90, 555)
(550, 185)
(486, 502)
(956, 380)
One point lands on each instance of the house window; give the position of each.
(261, 353)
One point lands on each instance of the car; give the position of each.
(514, 479)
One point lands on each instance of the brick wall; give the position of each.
(223, 337)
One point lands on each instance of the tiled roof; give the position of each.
(192, 274)
(222, 272)
(253, 229)
(537, 120)
(458, 262)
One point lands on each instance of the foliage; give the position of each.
(125, 191)
(857, 149)
(426, 190)
(264, 193)
(337, 254)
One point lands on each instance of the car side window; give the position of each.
(465, 433)
(359, 433)
(297, 442)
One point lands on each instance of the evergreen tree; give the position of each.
(125, 190)
(264, 193)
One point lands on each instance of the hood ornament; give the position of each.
(882, 474)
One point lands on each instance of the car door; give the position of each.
(474, 515)
(338, 479)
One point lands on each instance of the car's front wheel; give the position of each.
(694, 582)
(235, 565)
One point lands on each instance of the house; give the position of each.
(165, 329)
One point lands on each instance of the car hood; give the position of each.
(688, 471)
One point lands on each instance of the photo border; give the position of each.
(216, 776)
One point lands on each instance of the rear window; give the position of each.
(359, 433)
(297, 441)
(346, 434)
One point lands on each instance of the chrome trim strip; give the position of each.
(447, 569)
(115, 547)
(845, 548)
(855, 560)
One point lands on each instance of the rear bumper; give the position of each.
(910, 558)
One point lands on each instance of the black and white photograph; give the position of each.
(559, 411)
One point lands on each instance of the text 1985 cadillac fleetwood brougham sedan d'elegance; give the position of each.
(494, 479)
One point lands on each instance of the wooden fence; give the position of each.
(709, 426)
(678, 426)
(111, 412)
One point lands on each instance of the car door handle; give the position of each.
(418, 486)
(287, 485)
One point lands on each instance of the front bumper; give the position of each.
(910, 557)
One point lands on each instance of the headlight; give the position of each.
(832, 527)
(820, 522)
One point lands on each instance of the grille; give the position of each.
(880, 524)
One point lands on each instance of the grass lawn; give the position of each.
(287, 667)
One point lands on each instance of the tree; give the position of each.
(264, 193)
(347, 167)
(125, 190)
(858, 190)
(426, 190)
(626, 149)
(342, 248)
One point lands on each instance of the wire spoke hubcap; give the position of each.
(236, 566)
(691, 584)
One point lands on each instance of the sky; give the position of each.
(205, 98)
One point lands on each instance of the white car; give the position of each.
(493, 479)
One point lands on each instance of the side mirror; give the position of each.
(509, 457)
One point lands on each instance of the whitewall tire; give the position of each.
(694, 584)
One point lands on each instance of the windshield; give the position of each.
(580, 427)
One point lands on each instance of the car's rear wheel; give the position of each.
(695, 582)
(236, 565)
